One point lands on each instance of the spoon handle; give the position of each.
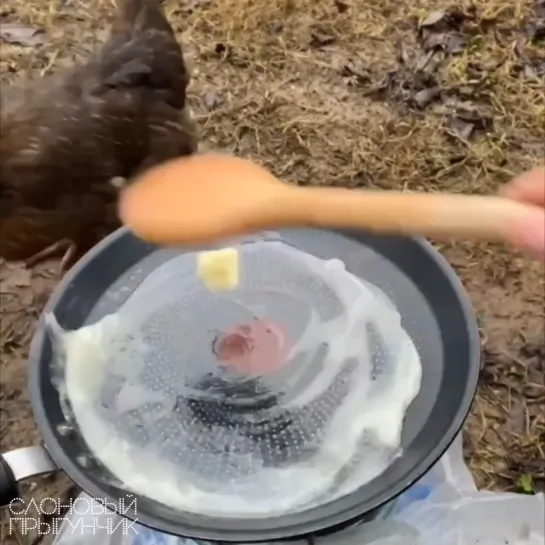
(418, 214)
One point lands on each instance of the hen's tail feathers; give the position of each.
(140, 15)
(143, 55)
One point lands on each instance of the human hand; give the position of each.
(529, 233)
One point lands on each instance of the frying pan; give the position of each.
(435, 312)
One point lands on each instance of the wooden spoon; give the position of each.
(204, 198)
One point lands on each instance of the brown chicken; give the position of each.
(69, 141)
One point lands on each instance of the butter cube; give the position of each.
(219, 269)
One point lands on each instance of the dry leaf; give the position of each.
(434, 18)
(212, 100)
(321, 39)
(461, 128)
(426, 96)
(16, 33)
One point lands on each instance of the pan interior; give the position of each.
(280, 396)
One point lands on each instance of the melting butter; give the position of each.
(219, 269)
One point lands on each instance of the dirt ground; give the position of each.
(361, 93)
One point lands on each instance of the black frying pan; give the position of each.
(436, 313)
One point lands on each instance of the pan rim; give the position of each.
(339, 512)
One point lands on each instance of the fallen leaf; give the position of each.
(539, 8)
(423, 80)
(450, 42)
(356, 72)
(535, 23)
(479, 117)
(526, 484)
(212, 100)
(479, 114)
(425, 97)
(460, 128)
(443, 20)
(467, 90)
(341, 6)
(427, 63)
(403, 53)
(455, 43)
(535, 30)
(321, 39)
(378, 90)
(434, 18)
(529, 72)
(16, 33)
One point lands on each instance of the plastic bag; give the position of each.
(443, 507)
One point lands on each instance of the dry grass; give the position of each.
(338, 92)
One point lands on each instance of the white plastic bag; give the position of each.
(443, 507)
(456, 513)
